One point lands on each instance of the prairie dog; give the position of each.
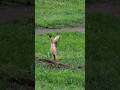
(53, 48)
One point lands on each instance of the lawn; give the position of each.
(71, 51)
(59, 13)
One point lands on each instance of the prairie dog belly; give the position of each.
(53, 49)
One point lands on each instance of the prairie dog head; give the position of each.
(55, 39)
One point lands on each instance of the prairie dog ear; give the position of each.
(56, 38)
(50, 36)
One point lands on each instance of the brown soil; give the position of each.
(40, 31)
(53, 64)
(56, 64)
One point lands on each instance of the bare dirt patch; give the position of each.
(40, 31)
(56, 64)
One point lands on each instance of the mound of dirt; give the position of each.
(53, 64)
(56, 64)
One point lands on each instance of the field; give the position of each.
(71, 50)
(71, 47)
(59, 13)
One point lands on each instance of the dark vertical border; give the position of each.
(17, 49)
(102, 45)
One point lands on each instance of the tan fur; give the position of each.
(54, 47)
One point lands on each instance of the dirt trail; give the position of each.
(39, 31)
(13, 13)
(105, 8)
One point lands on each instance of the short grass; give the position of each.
(71, 51)
(59, 13)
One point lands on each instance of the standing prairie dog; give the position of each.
(54, 46)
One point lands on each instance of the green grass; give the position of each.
(71, 51)
(59, 13)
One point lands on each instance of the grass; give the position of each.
(71, 51)
(59, 13)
